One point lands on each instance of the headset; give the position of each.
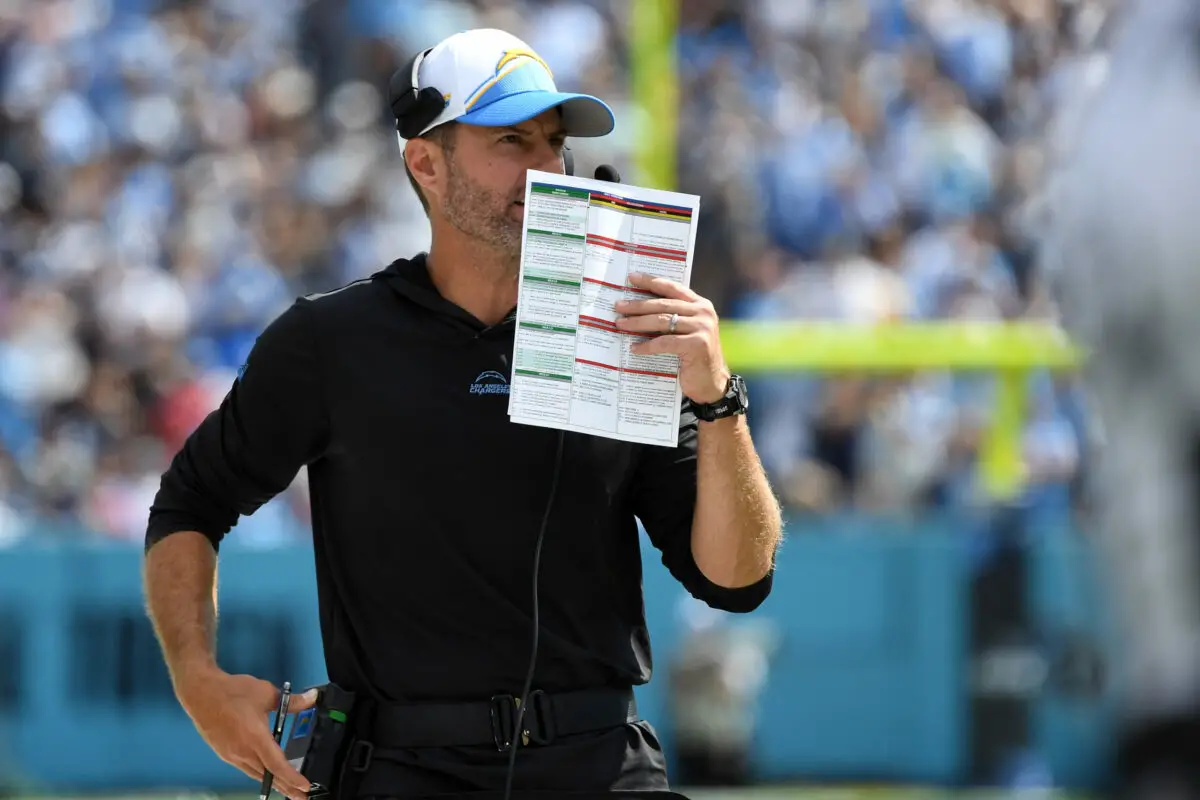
(414, 108)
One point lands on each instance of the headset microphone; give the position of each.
(607, 172)
(604, 172)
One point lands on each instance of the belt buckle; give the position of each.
(538, 725)
(503, 714)
(540, 715)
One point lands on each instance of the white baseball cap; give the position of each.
(490, 77)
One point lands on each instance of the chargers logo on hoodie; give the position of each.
(490, 382)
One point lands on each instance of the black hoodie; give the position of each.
(427, 500)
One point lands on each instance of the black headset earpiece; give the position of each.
(413, 107)
(568, 160)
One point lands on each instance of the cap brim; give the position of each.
(582, 115)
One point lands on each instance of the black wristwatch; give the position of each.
(735, 402)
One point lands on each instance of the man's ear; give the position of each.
(425, 164)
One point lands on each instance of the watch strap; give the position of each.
(733, 403)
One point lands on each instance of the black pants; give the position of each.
(615, 762)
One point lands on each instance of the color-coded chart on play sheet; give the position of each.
(572, 367)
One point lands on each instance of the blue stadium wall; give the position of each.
(869, 683)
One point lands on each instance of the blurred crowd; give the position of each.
(886, 160)
(174, 172)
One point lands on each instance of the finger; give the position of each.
(663, 287)
(657, 305)
(252, 768)
(286, 789)
(285, 775)
(302, 702)
(656, 323)
(267, 695)
(660, 345)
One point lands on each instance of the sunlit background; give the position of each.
(173, 174)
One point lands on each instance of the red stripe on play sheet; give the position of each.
(597, 364)
(649, 248)
(648, 372)
(615, 286)
(584, 318)
(618, 369)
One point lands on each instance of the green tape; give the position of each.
(337, 716)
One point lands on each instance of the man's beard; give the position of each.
(482, 214)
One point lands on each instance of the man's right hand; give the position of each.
(232, 713)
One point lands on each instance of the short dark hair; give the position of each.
(444, 135)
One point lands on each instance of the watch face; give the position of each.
(738, 388)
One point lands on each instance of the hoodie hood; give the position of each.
(409, 279)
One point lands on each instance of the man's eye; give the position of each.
(511, 138)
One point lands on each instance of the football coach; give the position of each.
(430, 508)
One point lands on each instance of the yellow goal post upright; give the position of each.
(1013, 351)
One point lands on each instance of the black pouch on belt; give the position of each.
(319, 739)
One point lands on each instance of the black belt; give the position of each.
(490, 722)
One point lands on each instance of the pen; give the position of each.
(284, 698)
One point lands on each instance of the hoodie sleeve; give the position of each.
(664, 499)
(272, 422)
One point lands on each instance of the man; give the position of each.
(1125, 235)
(427, 501)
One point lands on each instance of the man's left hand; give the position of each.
(696, 339)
